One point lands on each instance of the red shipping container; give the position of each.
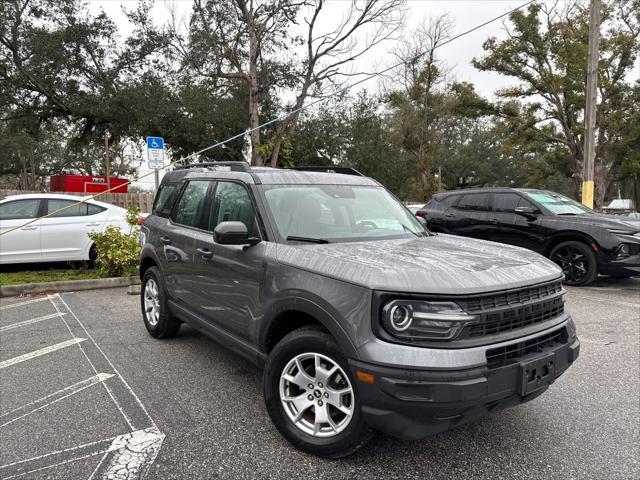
(85, 184)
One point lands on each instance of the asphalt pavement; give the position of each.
(86, 393)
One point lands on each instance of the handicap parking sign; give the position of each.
(155, 151)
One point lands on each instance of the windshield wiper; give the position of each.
(570, 213)
(295, 238)
(408, 230)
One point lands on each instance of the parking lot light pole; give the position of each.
(592, 101)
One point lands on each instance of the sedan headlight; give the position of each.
(622, 231)
(422, 320)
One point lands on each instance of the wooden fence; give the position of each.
(144, 201)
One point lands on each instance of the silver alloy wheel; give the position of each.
(152, 302)
(316, 395)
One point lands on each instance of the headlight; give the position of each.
(619, 231)
(417, 319)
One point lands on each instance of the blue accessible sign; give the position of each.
(155, 151)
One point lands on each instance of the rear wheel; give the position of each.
(155, 311)
(578, 262)
(311, 396)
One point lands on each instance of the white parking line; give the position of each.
(131, 456)
(20, 304)
(115, 370)
(38, 353)
(52, 398)
(29, 322)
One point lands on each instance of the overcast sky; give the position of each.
(465, 14)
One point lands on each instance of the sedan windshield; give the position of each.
(558, 204)
(335, 213)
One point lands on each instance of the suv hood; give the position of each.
(599, 220)
(439, 264)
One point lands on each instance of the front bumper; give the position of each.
(412, 404)
(629, 266)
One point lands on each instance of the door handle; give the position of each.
(494, 221)
(449, 215)
(165, 240)
(204, 252)
(92, 224)
(29, 228)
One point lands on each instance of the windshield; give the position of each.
(558, 204)
(337, 213)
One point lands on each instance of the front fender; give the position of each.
(314, 306)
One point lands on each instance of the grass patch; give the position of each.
(15, 278)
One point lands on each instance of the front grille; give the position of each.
(512, 310)
(515, 297)
(515, 318)
(497, 357)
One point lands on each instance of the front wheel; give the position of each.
(577, 261)
(311, 396)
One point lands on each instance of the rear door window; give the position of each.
(474, 202)
(190, 208)
(74, 209)
(506, 202)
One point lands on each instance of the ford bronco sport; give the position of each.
(361, 318)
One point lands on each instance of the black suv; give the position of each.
(360, 317)
(582, 242)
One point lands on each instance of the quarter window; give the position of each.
(163, 202)
(19, 209)
(189, 209)
(233, 204)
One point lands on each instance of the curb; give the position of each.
(67, 286)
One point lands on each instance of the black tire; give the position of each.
(578, 262)
(302, 341)
(166, 325)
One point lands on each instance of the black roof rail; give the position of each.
(330, 169)
(233, 166)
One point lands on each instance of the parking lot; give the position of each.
(87, 393)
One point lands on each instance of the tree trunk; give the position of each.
(256, 158)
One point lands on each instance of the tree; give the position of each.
(232, 42)
(65, 72)
(326, 54)
(546, 50)
(426, 101)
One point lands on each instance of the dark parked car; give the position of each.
(582, 242)
(360, 317)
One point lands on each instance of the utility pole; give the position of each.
(106, 158)
(592, 101)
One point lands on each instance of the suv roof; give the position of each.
(271, 176)
(488, 190)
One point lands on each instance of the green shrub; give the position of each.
(118, 253)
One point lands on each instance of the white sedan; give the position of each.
(59, 238)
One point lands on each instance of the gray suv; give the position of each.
(360, 317)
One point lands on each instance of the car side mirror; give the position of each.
(233, 233)
(527, 212)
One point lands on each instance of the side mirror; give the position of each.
(527, 212)
(233, 233)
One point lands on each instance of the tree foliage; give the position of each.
(546, 51)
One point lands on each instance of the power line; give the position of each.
(283, 117)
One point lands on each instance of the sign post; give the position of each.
(155, 155)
